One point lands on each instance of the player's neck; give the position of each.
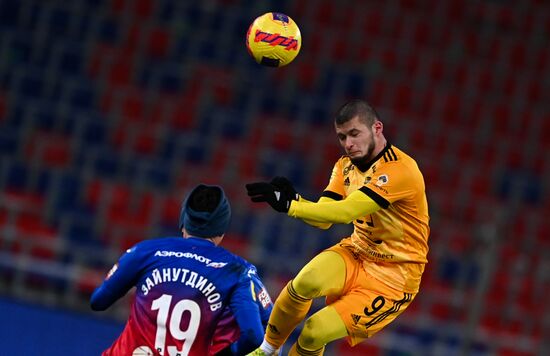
(366, 163)
(380, 145)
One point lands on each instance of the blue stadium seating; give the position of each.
(460, 87)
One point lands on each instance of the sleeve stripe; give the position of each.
(375, 196)
(332, 195)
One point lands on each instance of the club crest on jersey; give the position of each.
(367, 179)
(383, 179)
(347, 182)
(348, 169)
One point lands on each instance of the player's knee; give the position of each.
(307, 285)
(312, 336)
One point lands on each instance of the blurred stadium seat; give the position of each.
(110, 110)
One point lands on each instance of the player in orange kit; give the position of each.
(372, 276)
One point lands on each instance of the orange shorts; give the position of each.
(366, 305)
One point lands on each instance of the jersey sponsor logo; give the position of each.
(377, 256)
(380, 188)
(194, 256)
(264, 298)
(216, 264)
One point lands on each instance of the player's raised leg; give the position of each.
(321, 328)
(324, 275)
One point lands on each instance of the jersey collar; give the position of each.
(363, 167)
(200, 241)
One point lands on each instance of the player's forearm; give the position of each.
(102, 299)
(251, 329)
(356, 205)
(250, 339)
(317, 224)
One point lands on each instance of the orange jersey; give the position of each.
(393, 241)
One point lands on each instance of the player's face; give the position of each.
(357, 139)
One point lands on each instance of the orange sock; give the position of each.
(297, 350)
(289, 310)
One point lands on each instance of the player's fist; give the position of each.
(286, 186)
(269, 193)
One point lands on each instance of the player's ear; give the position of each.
(378, 127)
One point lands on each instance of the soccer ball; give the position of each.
(273, 39)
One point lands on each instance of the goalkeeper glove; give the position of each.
(285, 185)
(274, 196)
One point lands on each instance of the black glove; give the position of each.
(274, 196)
(285, 185)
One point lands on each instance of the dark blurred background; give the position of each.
(110, 110)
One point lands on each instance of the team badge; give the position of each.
(383, 179)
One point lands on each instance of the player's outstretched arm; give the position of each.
(286, 185)
(247, 315)
(119, 280)
(355, 206)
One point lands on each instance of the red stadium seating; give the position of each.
(110, 111)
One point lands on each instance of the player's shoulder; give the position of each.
(343, 160)
(395, 161)
(159, 242)
(234, 261)
(251, 270)
(159, 245)
(393, 155)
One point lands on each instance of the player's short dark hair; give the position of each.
(205, 198)
(359, 108)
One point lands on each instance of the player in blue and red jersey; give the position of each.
(185, 287)
(227, 330)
